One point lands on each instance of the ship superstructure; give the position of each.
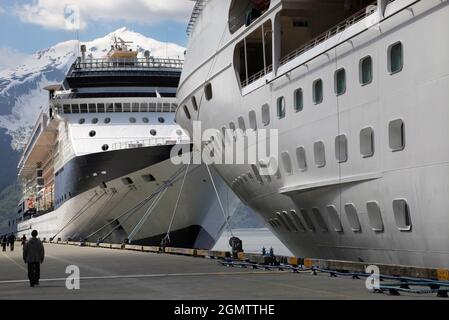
(98, 164)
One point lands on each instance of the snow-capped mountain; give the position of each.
(21, 87)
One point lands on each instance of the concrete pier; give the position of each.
(125, 274)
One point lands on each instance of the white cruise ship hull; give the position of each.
(390, 206)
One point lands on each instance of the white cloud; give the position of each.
(2, 10)
(10, 58)
(50, 13)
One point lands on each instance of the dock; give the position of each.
(108, 273)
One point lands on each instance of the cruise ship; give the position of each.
(98, 166)
(358, 92)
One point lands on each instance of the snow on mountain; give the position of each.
(21, 88)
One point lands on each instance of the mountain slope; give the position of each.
(22, 97)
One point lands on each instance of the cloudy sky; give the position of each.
(30, 25)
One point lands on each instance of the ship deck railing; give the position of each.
(148, 142)
(127, 64)
(358, 16)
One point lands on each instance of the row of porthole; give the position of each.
(208, 95)
(396, 136)
(396, 130)
(302, 222)
(131, 120)
(395, 65)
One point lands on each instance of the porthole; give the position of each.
(252, 120)
(194, 103)
(94, 120)
(287, 162)
(340, 82)
(132, 120)
(366, 71)
(395, 58)
(396, 134)
(319, 153)
(266, 114)
(320, 220)
(402, 215)
(301, 158)
(105, 147)
(92, 133)
(161, 119)
(107, 120)
(374, 216)
(186, 111)
(341, 148)
(145, 120)
(208, 91)
(153, 132)
(334, 218)
(353, 217)
(367, 142)
(81, 121)
(281, 107)
(318, 91)
(298, 100)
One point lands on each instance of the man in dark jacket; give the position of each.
(4, 242)
(12, 241)
(33, 255)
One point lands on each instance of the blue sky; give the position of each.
(30, 25)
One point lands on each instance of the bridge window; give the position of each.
(92, 108)
(83, 108)
(144, 107)
(127, 107)
(109, 107)
(100, 108)
(253, 55)
(75, 108)
(135, 107)
(244, 12)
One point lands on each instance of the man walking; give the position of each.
(12, 241)
(4, 242)
(33, 255)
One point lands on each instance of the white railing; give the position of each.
(257, 76)
(362, 14)
(155, 141)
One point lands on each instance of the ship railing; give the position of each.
(124, 63)
(257, 75)
(358, 16)
(149, 142)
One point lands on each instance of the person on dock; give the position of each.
(33, 256)
(4, 242)
(24, 240)
(12, 241)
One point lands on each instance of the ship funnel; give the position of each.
(83, 51)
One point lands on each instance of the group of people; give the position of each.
(8, 241)
(33, 254)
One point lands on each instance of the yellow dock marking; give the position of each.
(11, 259)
